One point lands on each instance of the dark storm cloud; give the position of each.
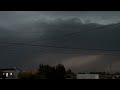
(26, 24)
(106, 38)
(14, 18)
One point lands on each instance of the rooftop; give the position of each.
(5, 69)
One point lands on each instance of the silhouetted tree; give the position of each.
(26, 75)
(69, 74)
(41, 72)
(60, 71)
(51, 72)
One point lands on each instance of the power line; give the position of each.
(61, 47)
(62, 52)
(66, 47)
(77, 32)
(55, 37)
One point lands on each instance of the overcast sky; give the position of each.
(8, 18)
(48, 28)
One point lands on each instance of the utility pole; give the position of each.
(111, 69)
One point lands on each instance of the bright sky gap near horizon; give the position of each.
(48, 31)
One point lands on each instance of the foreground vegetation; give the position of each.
(48, 72)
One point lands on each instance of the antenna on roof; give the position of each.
(17, 69)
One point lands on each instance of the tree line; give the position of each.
(48, 72)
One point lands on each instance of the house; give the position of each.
(87, 76)
(9, 73)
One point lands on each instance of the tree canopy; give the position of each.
(48, 72)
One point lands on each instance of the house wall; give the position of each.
(15, 73)
(10, 71)
(87, 76)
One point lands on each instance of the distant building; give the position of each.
(9, 73)
(116, 77)
(70, 76)
(87, 76)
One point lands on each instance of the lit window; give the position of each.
(6, 74)
(3, 73)
(10, 73)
